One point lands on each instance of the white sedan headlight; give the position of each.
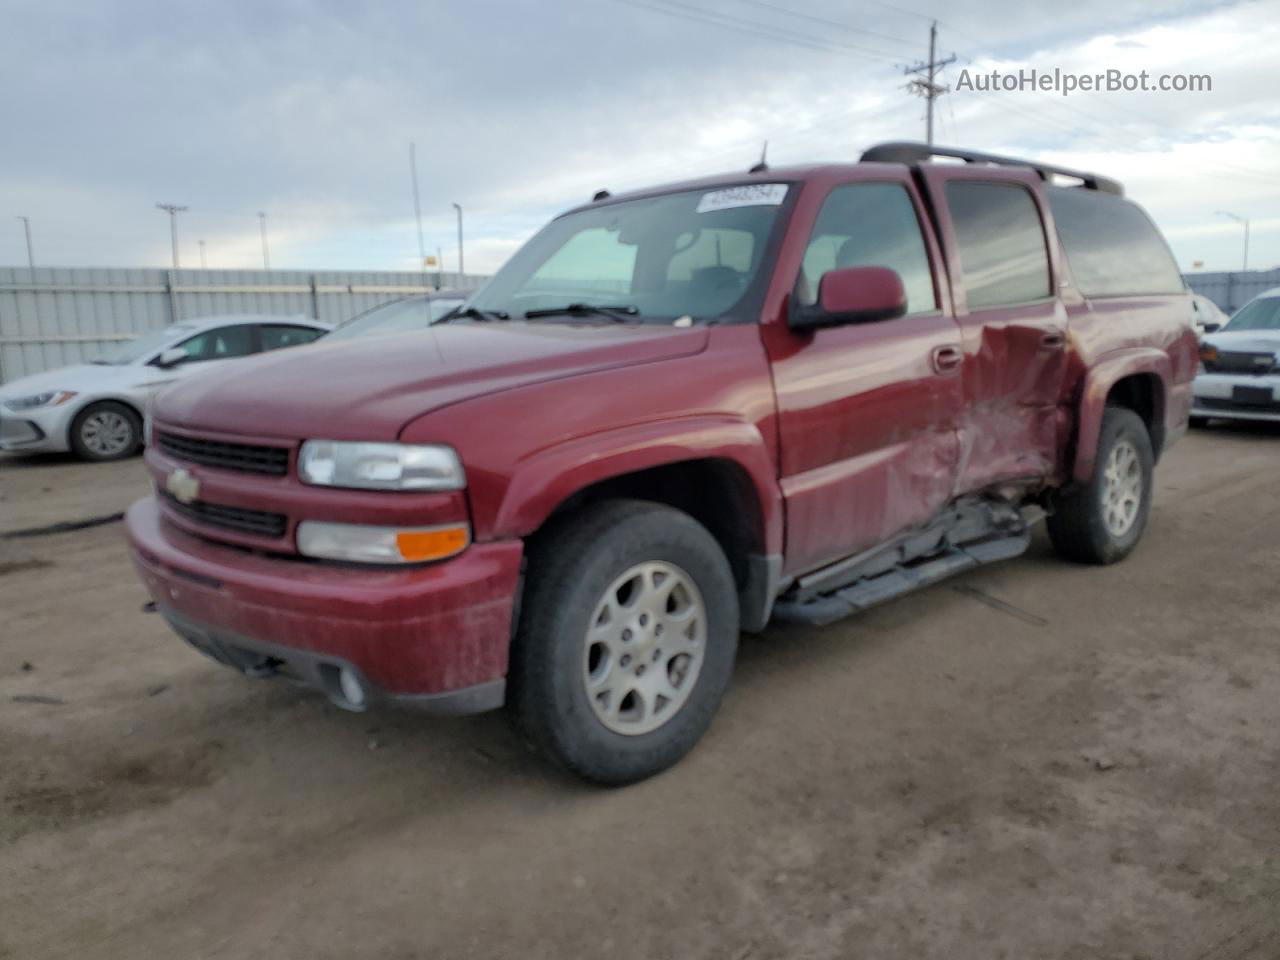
(380, 466)
(50, 399)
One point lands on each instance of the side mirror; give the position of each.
(171, 357)
(852, 295)
(1212, 327)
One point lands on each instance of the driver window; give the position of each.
(221, 343)
(869, 225)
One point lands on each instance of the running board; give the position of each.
(970, 532)
(903, 578)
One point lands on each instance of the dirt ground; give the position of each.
(1036, 760)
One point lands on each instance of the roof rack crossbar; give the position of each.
(912, 152)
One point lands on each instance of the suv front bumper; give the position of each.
(433, 637)
(1237, 396)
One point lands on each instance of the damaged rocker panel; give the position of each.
(971, 532)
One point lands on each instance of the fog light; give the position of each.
(351, 689)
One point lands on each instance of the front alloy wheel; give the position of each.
(627, 637)
(644, 648)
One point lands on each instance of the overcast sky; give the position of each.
(520, 108)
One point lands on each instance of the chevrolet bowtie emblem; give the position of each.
(182, 486)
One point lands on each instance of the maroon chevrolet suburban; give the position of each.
(676, 414)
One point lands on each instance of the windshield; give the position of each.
(402, 316)
(132, 351)
(691, 254)
(1263, 314)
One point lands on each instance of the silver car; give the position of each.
(95, 409)
(1239, 375)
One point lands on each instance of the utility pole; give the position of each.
(173, 210)
(417, 204)
(924, 83)
(439, 268)
(1244, 220)
(31, 257)
(461, 269)
(203, 264)
(266, 256)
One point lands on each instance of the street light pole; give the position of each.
(1242, 220)
(461, 268)
(173, 210)
(203, 263)
(31, 257)
(417, 204)
(266, 256)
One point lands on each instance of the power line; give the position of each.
(829, 23)
(753, 28)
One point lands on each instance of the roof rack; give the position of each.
(912, 152)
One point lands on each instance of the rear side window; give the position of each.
(1113, 247)
(869, 225)
(220, 343)
(286, 335)
(1001, 243)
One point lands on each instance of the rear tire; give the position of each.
(105, 431)
(627, 639)
(1198, 423)
(1102, 521)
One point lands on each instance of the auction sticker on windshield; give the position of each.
(748, 195)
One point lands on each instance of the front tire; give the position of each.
(105, 431)
(627, 639)
(1198, 423)
(1102, 521)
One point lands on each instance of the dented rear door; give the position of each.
(996, 229)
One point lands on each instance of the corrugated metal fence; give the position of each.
(1232, 290)
(50, 317)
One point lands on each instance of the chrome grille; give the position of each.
(245, 457)
(257, 522)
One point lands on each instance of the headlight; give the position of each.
(380, 466)
(364, 544)
(50, 399)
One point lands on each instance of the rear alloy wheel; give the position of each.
(105, 431)
(1102, 521)
(628, 633)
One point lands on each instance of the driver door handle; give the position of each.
(947, 359)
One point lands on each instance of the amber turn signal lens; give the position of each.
(418, 546)
(1208, 354)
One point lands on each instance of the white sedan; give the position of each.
(95, 409)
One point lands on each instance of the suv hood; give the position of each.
(370, 389)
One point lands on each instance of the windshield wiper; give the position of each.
(472, 313)
(619, 313)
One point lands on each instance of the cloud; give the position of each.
(305, 109)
